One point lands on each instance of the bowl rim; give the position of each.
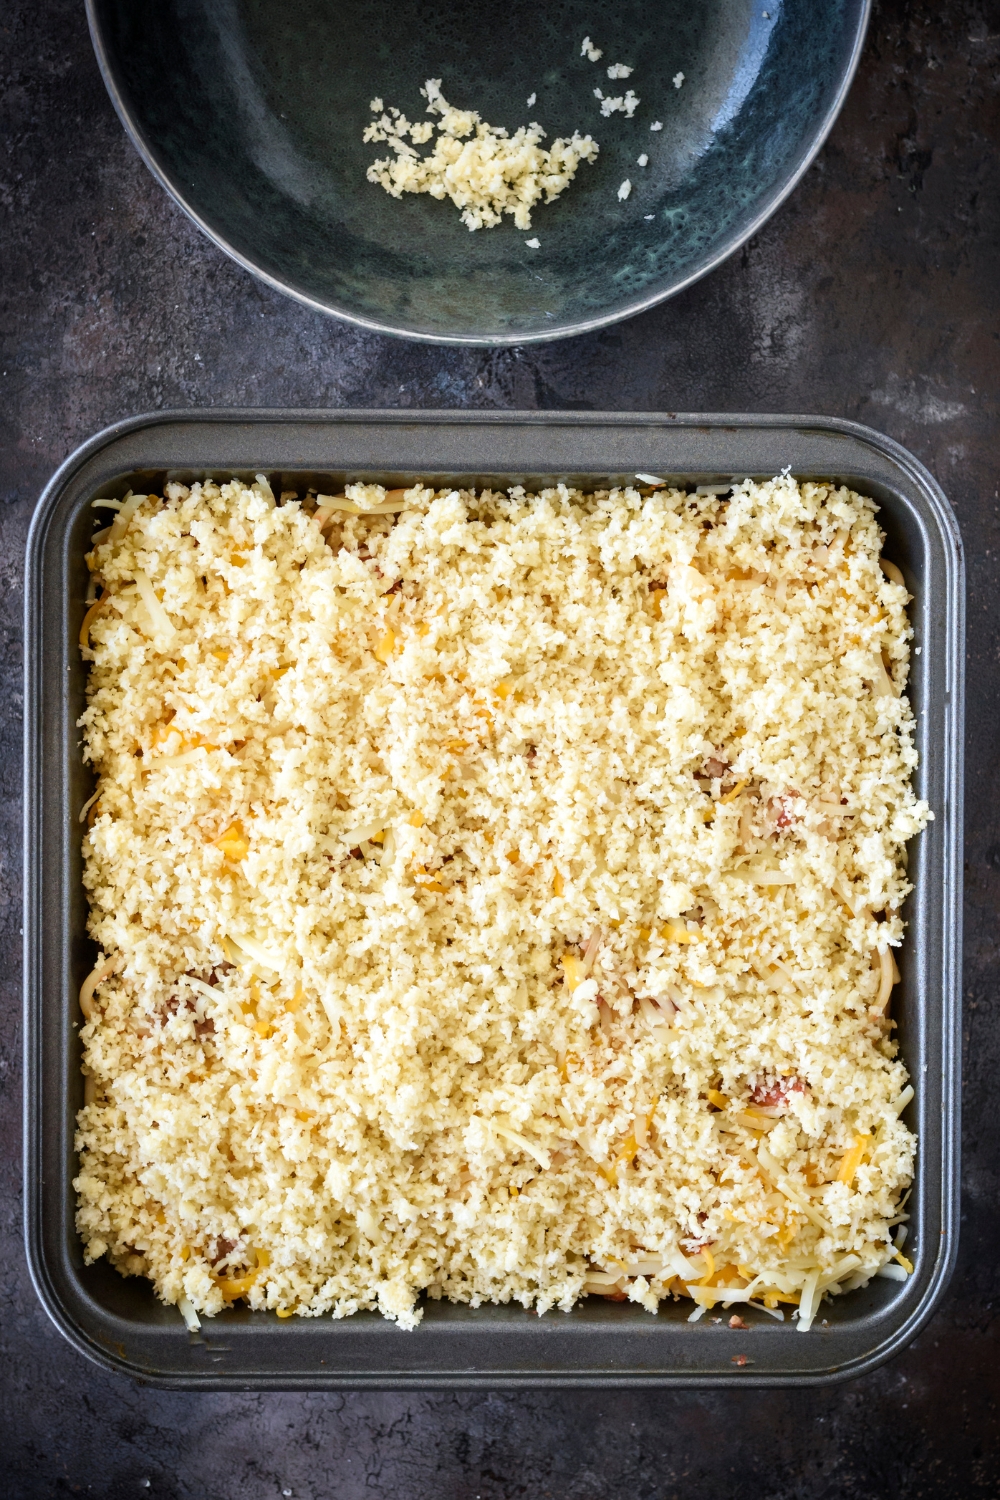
(769, 206)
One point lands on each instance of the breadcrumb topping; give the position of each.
(495, 896)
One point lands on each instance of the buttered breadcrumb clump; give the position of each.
(484, 171)
(496, 896)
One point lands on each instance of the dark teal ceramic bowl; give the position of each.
(251, 113)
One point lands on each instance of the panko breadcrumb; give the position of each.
(495, 896)
(483, 170)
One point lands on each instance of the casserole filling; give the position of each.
(496, 897)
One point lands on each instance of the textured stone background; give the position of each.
(873, 294)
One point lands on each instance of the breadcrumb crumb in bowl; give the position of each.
(701, 119)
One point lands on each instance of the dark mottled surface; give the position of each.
(873, 294)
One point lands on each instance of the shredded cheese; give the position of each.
(233, 843)
(853, 1159)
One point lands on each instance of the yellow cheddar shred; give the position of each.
(674, 934)
(232, 1288)
(572, 970)
(629, 1148)
(853, 1159)
(385, 647)
(233, 843)
(295, 1003)
(89, 619)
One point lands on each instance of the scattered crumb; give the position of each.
(737, 1322)
(678, 80)
(624, 190)
(649, 216)
(590, 51)
(531, 99)
(656, 125)
(533, 244)
(376, 106)
(622, 104)
(739, 1359)
(643, 160)
(619, 70)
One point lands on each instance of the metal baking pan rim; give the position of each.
(937, 512)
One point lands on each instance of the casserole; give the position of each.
(119, 1322)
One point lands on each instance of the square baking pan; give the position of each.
(118, 1322)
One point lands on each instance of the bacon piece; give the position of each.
(715, 767)
(176, 1004)
(783, 811)
(775, 1093)
(220, 1249)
